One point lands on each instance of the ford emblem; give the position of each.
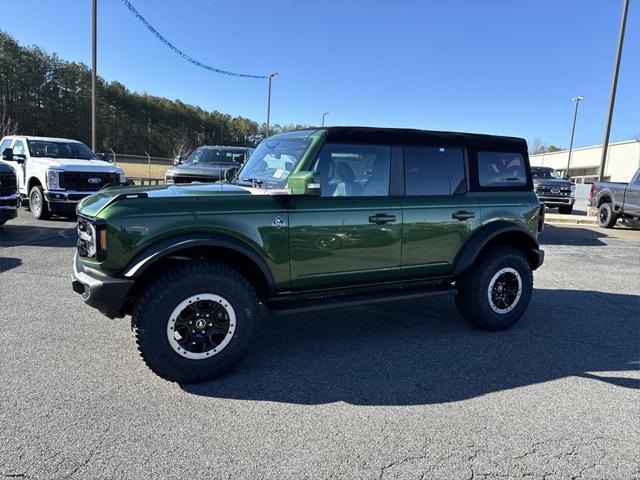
(94, 180)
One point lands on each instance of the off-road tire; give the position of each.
(472, 298)
(566, 210)
(154, 306)
(607, 218)
(38, 204)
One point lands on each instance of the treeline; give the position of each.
(41, 94)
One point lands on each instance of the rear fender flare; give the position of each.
(485, 235)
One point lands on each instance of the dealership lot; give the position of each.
(403, 390)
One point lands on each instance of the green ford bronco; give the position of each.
(316, 219)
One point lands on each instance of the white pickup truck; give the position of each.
(55, 173)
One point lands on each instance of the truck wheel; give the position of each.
(494, 293)
(37, 203)
(194, 322)
(606, 216)
(566, 210)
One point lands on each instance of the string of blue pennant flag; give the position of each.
(189, 59)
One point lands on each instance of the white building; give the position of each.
(623, 160)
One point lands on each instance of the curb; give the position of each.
(570, 219)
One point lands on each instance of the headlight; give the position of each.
(92, 239)
(123, 177)
(53, 179)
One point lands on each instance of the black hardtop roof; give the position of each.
(218, 147)
(409, 136)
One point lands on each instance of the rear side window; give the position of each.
(501, 169)
(434, 171)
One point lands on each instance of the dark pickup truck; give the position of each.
(616, 201)
(209, 164)
(553, 190)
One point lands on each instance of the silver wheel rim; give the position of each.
(195, 345)
(36, 203)
(504, 290)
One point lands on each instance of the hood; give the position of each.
(77, 165)
(90, 206)
(553, 182)
(204, 169)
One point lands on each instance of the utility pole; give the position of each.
(324, 115)
(573, 130)
(94, 113)
(274, 74)
(614, 86)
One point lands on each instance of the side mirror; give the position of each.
(304, 183)
(7, 154)
(177, 161)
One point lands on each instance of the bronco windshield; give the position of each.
(273, 161)
(544, 173)
(54, 149)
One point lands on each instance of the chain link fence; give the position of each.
(142, 169)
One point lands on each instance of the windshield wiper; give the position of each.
(253, 181)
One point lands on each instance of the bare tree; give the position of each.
(182, 147)
(7, 125)
(536, 146)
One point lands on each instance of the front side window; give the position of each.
(55, 149)
(6, 143)
(18, 148)
(501, 169)
(354, 170)
(434, 171)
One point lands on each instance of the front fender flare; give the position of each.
(162, 249)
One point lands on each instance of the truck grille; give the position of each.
(549, 191)
(87, 181)
(8, 184)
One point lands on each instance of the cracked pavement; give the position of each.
(398, 391)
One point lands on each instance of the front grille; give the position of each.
(549, 191)
(87, 181)
(12, 202)
(8, 184)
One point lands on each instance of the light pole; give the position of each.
(324, 115)
(614, 86)
(573, 130)
(94, 113)
(274, 74)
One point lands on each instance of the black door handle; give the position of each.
(381, 218)
(462, 215)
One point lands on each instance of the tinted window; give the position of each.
(500, 169)
(354, 170)
(434, 171)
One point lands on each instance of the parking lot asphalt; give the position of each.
(398, 391)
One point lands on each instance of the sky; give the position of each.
(487, 66)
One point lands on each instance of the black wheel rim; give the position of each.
(201, 326)
(505, 290)
(604, 214)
